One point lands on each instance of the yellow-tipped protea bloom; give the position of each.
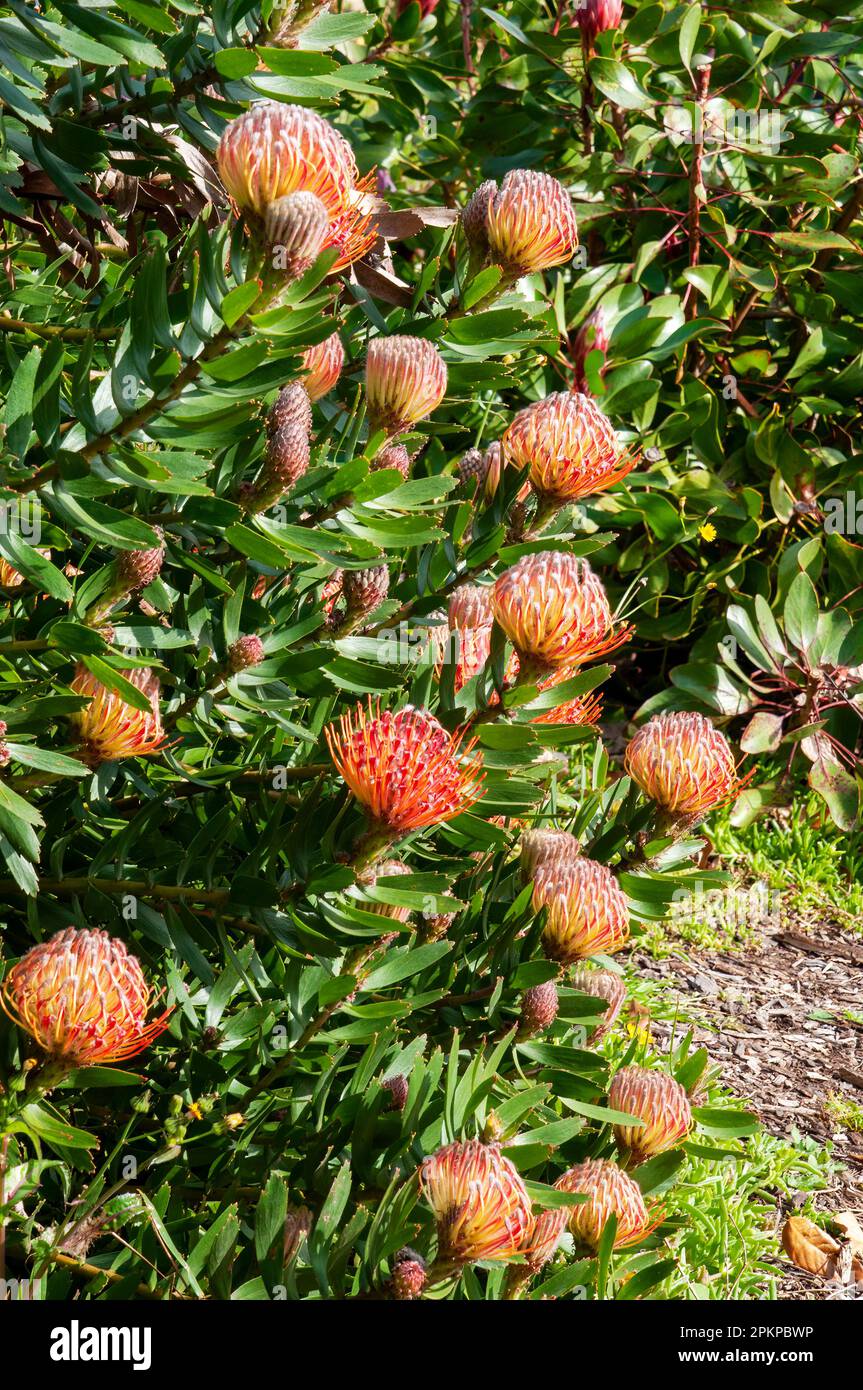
(543, 845)
(601, 984)
(530, 224)
(684, 764)
(612, 1193)
(480, 1204)
(405, 381)
(555, 611)
(83, 998)
(108, 728)
(569, 445)
(404, 768)
(323, 365)
(658, 1100)
(587, 911)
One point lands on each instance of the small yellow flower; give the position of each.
(707, 532)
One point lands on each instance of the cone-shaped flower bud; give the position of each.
(555, 612)
(83, 998)
(586, 910)
(135, 569)
(593, 336)
(398, 1089)
(365, 590)
(246, 651)
(481, 1206)
(530, 224)
(542, 846)
(323, 364)
(474, 218)
(684, 764)
(296, 227)
(286, 459)
(612, 1193)
(393, 456)
(370, 878)
(471, 466)
(405, 381)
(585, 711)
(569, 446)
(595, 16)
(108, 728)
(601, 984)
(539, 1007)
(292, 409)
(545, 1235)
(658, 1100)
(409, 1275)
(404, 768)
(275, 149)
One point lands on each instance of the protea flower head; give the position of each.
(592, 336)
(135, 569)
(405, 381)
(323, 366)
(586, 711)
(108, 728)
(83, 998)
(245, 652)
(569, 446)
(365, 590)
(542, 845)
(393, 455)
(586, 910)
(296, 228)
(658, 1100)
(530, 224)
(470, 606)
(544, 1237)
(370, 878)
(595, 16)
(481, 1206)
(555, 612)
(274, 150)
(409, 1275)
(539, 1007)
(398, 1089)
(404, 767)
(684, 764)
(291, 409)
(601, 984)
(612, 1193)
(474, 218)
(286, 459)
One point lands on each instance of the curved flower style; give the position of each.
(404, 768)
(529, 223)
(569, 446)
(480, 1203)
(585, 711)
(274, 149)
(586, 910)
(612, 1193)
(601, 984)
(555, 612)
(83, 998)
(658, 1100)
(405, 381)
(323, 365)
(684, 764)
(542, 845)
(108, 728)
(595, 16)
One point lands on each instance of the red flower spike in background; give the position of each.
(587, 911)
(530, 224)
(405, 381)
(83, 998)
(404, 768)
(658, 1100)
(393, 456)
(555, 612)
(612, 1193)
(481, 1206)
(570, 447)
(684, 764)
(108, 728)
(323, 365)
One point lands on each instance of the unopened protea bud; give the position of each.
(83, 998)
(398, 1089)
(323, 365)
(556, 613)
(365, 590)
(543, 846)
(109, 728)
(611, 1192)
(405, 381)
(591, 337)
(474, 219)
(246, 651)
(539, 1007)
(371, 878)
(434, 925)
(684, 764)
(291, 409)
(530, 224)
(601, 984)
(658, 1100)
(296, 227)
(286, 459)
(409, 1275)
(481, 1206)
(569, 447)
(595, 16)
(586, 911)
(135, 569)
(393, 455)
(471, 466)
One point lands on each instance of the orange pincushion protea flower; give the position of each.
(405, 381)
(404, 768)
(572, 712)
(612, 1193)
(555, 612)
(684, 764)
(110, 729)
(480, 1204)
(273, 150)
(587, 911)
(658, 1100)
(569, 446)
(530, 223)
(83, 998)
(323, 364)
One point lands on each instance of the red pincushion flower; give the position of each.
(595, 16)
(110, 729)
(83, 998)
(569, 446)
(480, 1204)
(612, 1193)
(404, 768)
(405, 381)
(555, 611)
(658, 1100)
(683, 763)
(323, 364)
(587, 911)
(530, 223)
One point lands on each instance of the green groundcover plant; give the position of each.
(385, 387)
